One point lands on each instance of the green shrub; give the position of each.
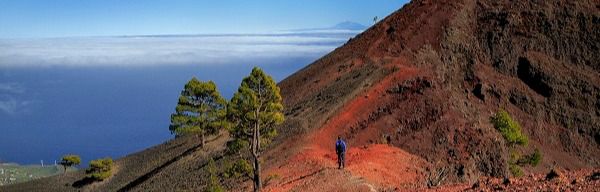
(238, 169)
(533, 159)
(536, 158)
(510, 129)
(213, 184)
(235, 146)
(515, 156)
(515, 169)
(213, 188)
(100, 169)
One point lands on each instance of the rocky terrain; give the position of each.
(413, 96)
(426, 81)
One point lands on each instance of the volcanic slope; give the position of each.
(413, 95)
(176, 165)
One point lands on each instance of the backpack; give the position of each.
(340, 146)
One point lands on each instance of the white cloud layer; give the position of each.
(157, 50)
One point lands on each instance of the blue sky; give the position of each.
(68, 18)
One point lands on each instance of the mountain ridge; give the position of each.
(413, 97)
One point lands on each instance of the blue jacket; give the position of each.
(340, 146)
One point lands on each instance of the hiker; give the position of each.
(340, 149)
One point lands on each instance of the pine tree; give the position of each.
(69, 161)
(254, 111)
(100, 169)
(200, 110)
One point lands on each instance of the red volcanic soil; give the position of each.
(414, 94)
(377, 165)
(580, 180)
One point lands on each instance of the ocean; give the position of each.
(111, 96)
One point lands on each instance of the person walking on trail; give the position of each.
(340, 149)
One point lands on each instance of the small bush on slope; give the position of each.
(238, 169)
(532, 159)
(100, 169)
(513, 163)
(515, 170)
(213, 184)
(236, 146)
(509, 128)
(511, 131)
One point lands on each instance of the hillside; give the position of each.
(425, 82)
(413, 96)
(136, 172)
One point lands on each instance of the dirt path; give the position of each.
(369, 167)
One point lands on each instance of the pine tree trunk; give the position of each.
(257, 183)
(256, 155)
(203, 140)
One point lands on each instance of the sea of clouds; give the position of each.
(167, 49)
(154, 50)
(114, 95)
